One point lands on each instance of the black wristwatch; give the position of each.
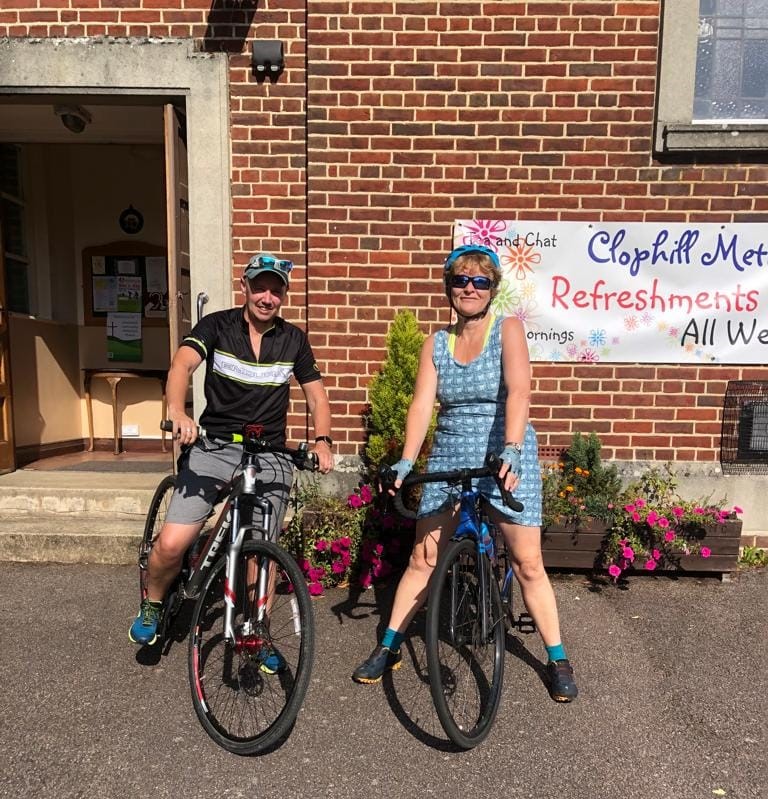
(328, 440)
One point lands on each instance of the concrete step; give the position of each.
(70, 539)
(123, 496)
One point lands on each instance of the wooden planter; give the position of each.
(564, 547)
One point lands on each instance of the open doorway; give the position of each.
(85, 190)
(98, 147)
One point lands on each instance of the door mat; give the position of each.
(117, 466)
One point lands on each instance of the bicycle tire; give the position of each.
(243, 709)
(158, 509)
(466, 673)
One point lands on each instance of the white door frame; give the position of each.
(162, 68)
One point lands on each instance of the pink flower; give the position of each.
(656, 555)
(678, 511)
(315, 589)
(669, 536)
(321, 545)
(365, 494)
(316, 574)
(338, 567)
(663, 522)
(635, 517)
(345, 558)
(737, 509)
(345, 541)
(650, 564)
(640, 503)
(705, 552)
(699, 511)
(614, 570)
(378, 549)
(365, 580)
(628, 553)
(629, 508)
(336, 547)
(305, 565)
(354, 501)
(651, 517)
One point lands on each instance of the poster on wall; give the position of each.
(124, 337)
(632, 292)
(129, 293)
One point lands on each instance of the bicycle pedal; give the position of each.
(525, 623)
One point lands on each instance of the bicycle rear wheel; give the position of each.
(158, 509)
(242, 701)
(466, 669)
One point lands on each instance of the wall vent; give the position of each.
(744, 439)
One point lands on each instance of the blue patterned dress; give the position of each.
(470, 424)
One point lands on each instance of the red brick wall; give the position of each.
(423, 112)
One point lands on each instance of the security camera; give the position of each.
(73, 117)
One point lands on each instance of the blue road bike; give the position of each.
(469, 609)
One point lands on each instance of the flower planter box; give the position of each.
(565, 547)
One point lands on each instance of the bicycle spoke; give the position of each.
(466, 667)
(247, 692)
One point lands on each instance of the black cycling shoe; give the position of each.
(562, 686)
(380, 660)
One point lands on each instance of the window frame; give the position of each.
(674, 130)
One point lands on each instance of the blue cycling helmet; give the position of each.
(467, 248)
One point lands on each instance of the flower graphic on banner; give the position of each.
(481, 231)
(588, 356)
(506, 299)
(520, 261)
(630, 323)
(596, 338)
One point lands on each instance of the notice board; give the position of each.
(125, 277)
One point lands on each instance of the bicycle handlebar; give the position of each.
(387, 476)
(302, 458)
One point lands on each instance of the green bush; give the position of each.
(579, 488)
(391, 391)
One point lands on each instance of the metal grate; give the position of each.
(744, 438)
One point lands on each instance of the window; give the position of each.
(12, 211)
(713, 77)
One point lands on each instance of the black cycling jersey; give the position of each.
(240, 388)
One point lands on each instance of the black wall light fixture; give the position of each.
(267, 58)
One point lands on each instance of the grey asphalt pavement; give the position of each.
(672, 676)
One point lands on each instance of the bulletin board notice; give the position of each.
(125, 277)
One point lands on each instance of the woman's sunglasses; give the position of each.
(480, 282)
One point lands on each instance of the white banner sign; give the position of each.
(632, 292)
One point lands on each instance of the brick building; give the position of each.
(388, 122)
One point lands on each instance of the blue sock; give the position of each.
(556, 652)
(392, 639)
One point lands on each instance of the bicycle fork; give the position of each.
(237, 532)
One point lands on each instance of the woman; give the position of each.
(478, 370)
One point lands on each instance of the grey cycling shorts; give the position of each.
(210, 465)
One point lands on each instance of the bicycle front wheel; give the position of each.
(158, 509)
(465, 662)
(248, 692)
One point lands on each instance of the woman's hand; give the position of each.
(402, 468)
(511, 467)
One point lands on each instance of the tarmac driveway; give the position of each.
(672, 676)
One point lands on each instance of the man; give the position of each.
(250, 353)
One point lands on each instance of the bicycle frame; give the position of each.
(229, 525)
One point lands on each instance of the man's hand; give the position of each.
(184, 428)
(324, 456)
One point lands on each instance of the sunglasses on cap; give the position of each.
(469, 248)
(269, 262)
(480, 282)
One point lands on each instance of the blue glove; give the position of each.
(511, 456)
(403, 468)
